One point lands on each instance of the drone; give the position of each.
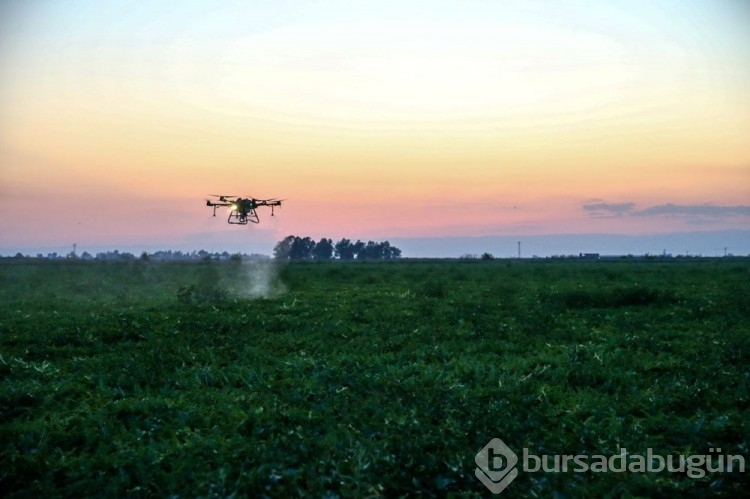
(242, 210)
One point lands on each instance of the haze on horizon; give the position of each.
(374, 119)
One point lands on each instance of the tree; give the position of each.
(376, 251)
(344, 249)
(302, 249)
(298, 248)
(323, 249)
(357, 248)
(390, 252)
(370, 251)
(283, 248)
(294, 248)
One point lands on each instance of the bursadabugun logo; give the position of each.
(496, 465)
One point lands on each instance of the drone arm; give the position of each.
(268, 202)
(216, 205)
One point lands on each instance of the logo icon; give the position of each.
(496, 465)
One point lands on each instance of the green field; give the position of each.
(232, 379)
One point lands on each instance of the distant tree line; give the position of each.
(167, 255)
(305, 248)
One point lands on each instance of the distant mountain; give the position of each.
(736, 242)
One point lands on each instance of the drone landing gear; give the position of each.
(242, 218)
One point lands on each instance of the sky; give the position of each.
(372, 119)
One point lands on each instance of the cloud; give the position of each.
(699, 210)
(692, 213)
(608, 209)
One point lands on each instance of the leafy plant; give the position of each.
(366, 378)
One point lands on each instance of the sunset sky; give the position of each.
(373, 119)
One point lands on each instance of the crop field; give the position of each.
(366, 379)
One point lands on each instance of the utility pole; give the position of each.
(519, 250)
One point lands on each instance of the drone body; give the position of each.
(242, 210)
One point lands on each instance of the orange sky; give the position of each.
(399, 119)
